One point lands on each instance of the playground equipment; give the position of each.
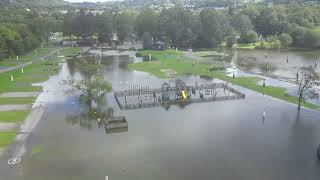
(184, 95)
(180, 94)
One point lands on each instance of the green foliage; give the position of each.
(312, 39)
(285, 39)
(13, 116)
(231, 40)
(308, 81)
(22, 31)
(6, 138)
(124, 25)
(17, 100)
(146, 40)
(249, 37)
(242, 23)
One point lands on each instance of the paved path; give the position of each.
(14, 107)
(28, 63)
(25, 129)
(19, 94)
(8, 126)
(2, 150)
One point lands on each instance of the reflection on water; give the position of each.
(281, 63)
(219, 140)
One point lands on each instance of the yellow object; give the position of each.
(184, 95)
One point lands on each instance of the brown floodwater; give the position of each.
(227, 140)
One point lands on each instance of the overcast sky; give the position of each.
(90, 0)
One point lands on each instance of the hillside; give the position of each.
(32, 4)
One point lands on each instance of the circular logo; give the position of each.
(14, 161)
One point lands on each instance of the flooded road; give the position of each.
(273, 63)
(219, 140)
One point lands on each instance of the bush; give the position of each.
(285, 39)
(276, 45)
(297, 35)
(249, 37)
(312, 39)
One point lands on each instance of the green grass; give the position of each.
(27, 57)
(185, 67)
(13, 116)
(35, 72)
(70, 51)
(16, 100)
(30, 71)
(35, 150)
(6, 138)
(251, 45)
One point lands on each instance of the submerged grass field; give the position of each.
(22, 82)
(168, 60)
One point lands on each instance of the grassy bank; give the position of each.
(22, 82)
(17, 100)
(13, 116)
(6, 138)
(185, 66)
(27, 57)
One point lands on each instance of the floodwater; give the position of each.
(282, 64)
(227, 140)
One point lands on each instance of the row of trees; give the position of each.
(22, 31)
(281, 25)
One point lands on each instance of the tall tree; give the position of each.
(307, 82)
(124, 25)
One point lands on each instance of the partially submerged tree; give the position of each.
(89, 89)
(92, 87)
(308, 80)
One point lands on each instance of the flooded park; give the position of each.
(254, 136)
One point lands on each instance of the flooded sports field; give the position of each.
(258, 137)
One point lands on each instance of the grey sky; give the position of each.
(90, 0)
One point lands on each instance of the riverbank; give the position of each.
(176, 61)
(17, 92)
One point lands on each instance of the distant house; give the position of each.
(69, 43)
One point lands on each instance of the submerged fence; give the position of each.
(137, 92)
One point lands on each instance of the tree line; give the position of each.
(22, 31)
(277, 25)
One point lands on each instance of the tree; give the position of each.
(3, 48)
(241, 23)
(276, 44)
(147, 40)
(249, 37)
(92, 87)
(285, 39)
(297, 35)
(179, 27)
(213, 28)
(104, 27)
(147, 21)
(124, 25)
(312, 39)
(231, 38)
(307, 81)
